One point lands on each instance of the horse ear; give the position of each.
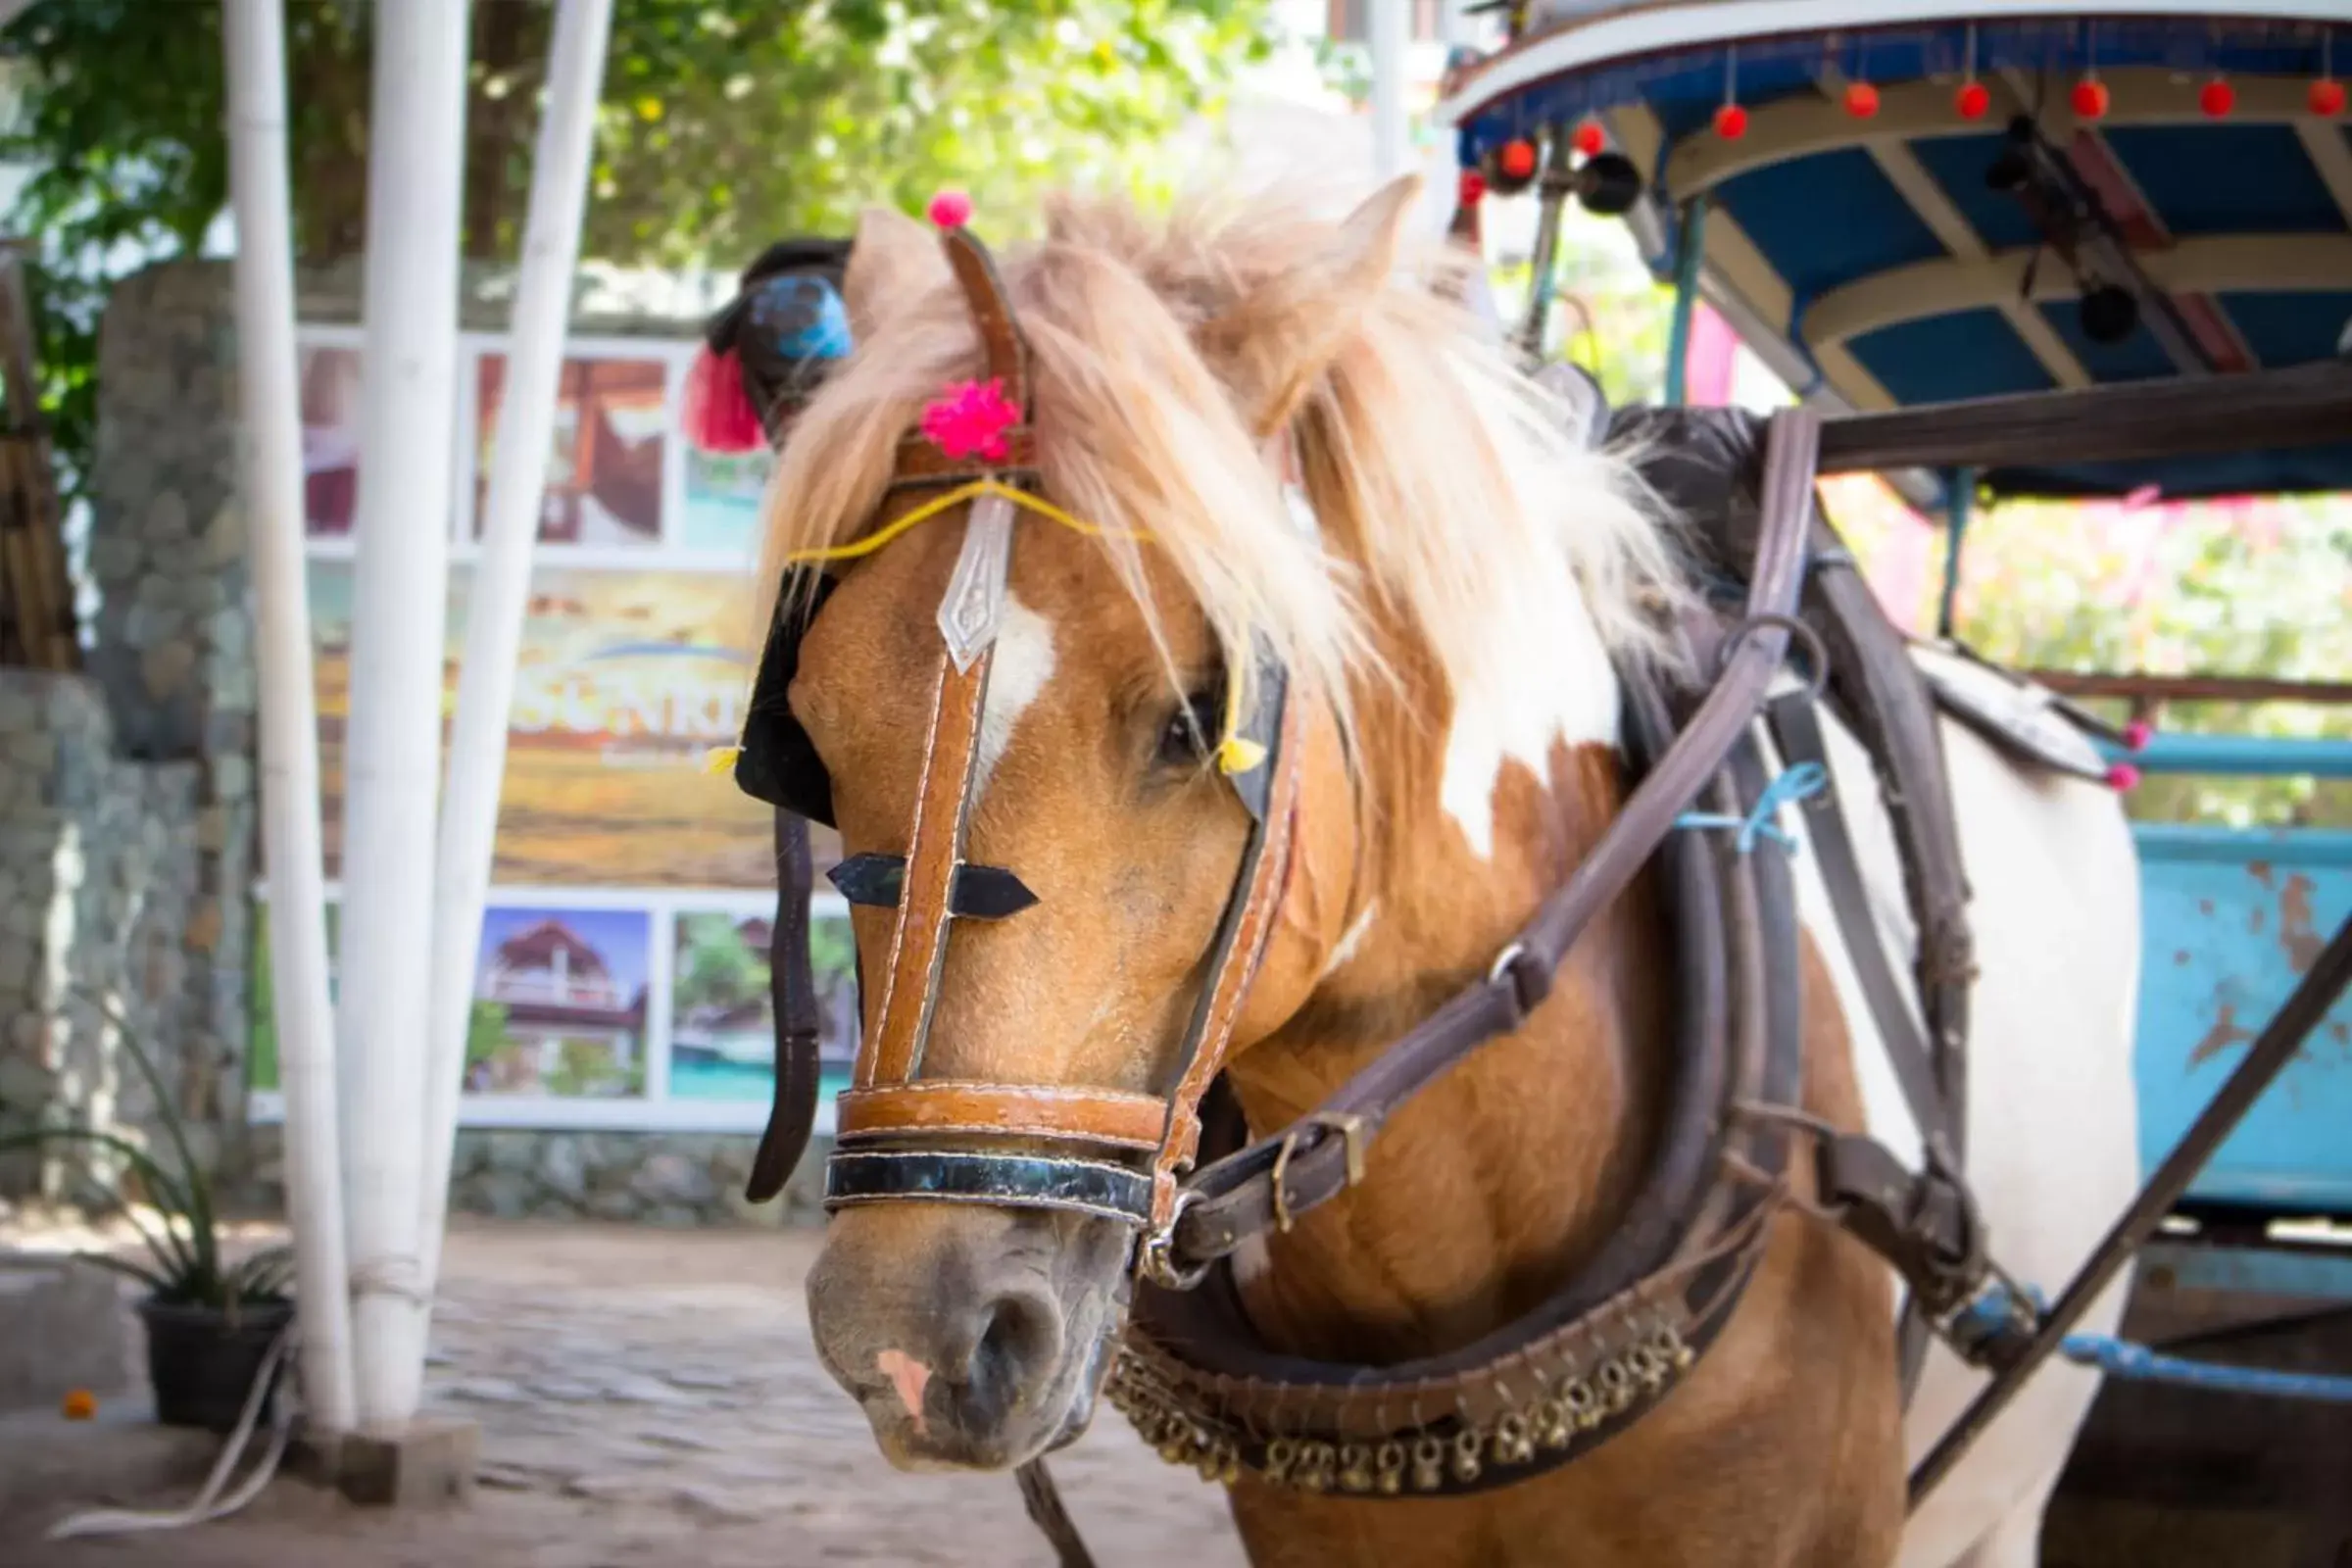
(893, 260)
(1276, 343)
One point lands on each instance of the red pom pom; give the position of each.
(1589, 139)
(2138, 734)
(2217, 98)
(1472, 189)
(951, 208)
(1861, 100)
(1730, 121)
(2089, 99)
(1518, 158)
(1975, 101)
(2327, 98)
(2122, 776)
(719, 416)
(969, 420)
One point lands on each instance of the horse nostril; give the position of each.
(1019, 1343)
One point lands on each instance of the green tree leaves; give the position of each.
(724, 124)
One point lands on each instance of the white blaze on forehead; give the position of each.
(1023, 664)
(1553, 685)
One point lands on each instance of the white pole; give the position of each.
(1391, 28)
(502, 578)
(400, 580)
(253, 38)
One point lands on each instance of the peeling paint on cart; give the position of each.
(2242, 916)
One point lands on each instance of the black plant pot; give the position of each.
(201, 1361)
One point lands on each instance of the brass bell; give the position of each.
(1429, 1464)
(1512, 1442)
(1467, 1466)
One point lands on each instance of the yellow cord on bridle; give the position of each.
(939, 504)
(1235, 753)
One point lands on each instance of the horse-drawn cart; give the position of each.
(2028, 250)
(1401, 1038)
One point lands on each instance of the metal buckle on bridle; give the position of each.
(1817, 657)
(1348, 1126)
(1530, 981)
(1156, 1258)
(1992, 1325)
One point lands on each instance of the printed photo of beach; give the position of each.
(626, 681)
(720, 513)
(723, 1026)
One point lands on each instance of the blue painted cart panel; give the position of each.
(2230, 920)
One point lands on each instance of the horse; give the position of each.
(1261, 439)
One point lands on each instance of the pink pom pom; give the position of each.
(2122, 776)
(719, 416)
(951, 208)
(2138, 734)
(969, 420)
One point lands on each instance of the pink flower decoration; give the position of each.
(969, 420)
(2138, 734)
(2122, 776)
(951, 208)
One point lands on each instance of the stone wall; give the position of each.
(98, 900)
(171, 647)
(659, 1178)
(675, 1179)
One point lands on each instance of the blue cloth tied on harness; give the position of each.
(1801, 782)
(1996, 1313)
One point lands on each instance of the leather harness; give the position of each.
(1608, 1343)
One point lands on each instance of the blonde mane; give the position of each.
(1449, 494)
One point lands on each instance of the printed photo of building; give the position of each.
(565, 994)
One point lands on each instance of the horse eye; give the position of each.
(1188, 733)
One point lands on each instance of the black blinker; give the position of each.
(981, 893)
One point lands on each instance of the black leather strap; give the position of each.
(1796, 731)
(979, 893)
(1042, 1499)
(1001, 1179)
(792, 994)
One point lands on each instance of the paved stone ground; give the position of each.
(651, 1398)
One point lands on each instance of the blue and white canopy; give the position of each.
(1879, 254)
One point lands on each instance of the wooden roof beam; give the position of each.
(2204, 265)
(1751, 292)
(1927, 198)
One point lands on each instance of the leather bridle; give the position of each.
(904, 1135)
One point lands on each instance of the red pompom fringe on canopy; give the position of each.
(719, 416)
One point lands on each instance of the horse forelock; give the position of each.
(1455, 508)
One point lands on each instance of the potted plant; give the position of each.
(210, 1322)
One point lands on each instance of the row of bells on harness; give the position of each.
(1552, 1422)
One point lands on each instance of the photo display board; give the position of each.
(622, 979)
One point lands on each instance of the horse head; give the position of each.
(1201, 699)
